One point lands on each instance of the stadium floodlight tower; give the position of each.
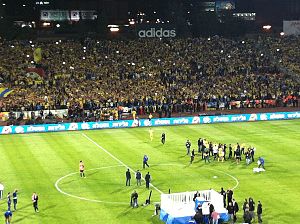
(181, 207)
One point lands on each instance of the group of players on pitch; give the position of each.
(219, 151)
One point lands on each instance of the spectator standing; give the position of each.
(247, 216)
(229, 196)
(259, 212)
(198, 217)
(235, 209)
(223, 193)
(211, 210)
(230, 210)
(215, 217)
(252, 208)
(245, 205)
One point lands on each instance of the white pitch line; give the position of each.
(115, 158)
(82, 198)
(235, 179)
(105, 167)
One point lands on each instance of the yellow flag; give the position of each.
(37, 55)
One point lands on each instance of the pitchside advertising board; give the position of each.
(156, 31)
(146, 123)
(291, 27)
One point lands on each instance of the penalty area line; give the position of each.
(115, 158)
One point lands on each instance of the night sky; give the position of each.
(268, 11)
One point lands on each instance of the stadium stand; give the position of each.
(99, 80)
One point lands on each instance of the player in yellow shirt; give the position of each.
(133, 114)
(151, 134)
(221, 154)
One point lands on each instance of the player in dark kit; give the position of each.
(145, 161)
(8, 216)
(163, 138)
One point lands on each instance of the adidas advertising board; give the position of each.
(156, 32)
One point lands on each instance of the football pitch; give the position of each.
(47, 163)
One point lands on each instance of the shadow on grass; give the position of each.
(22, 217)
(179, 157)
(92, 173)
(158, 146)
(127, 211)
(120, 190)
(24, 206)
(155, 220)
(67, 182)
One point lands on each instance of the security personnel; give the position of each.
(128, 177)
(147, 179)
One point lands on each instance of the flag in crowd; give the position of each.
(35, 73)
(4, 92)
(37, 55)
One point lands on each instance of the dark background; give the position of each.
(188, 16)
(268, 11)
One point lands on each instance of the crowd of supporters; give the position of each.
(150, 75)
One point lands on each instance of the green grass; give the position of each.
(34, 162)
